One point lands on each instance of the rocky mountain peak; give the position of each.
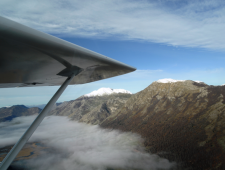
(184, 118)
(177, 88)
(106, 91)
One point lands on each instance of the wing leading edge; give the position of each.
(31, 58)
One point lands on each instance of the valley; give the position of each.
(182, 121)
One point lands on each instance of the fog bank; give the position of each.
(81, 146)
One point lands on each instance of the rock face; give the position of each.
(182, 121)
(92, 110)
(8, 113)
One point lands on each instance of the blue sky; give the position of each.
(175, 39)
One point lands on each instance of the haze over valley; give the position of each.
(73, 145)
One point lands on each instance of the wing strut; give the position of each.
(19, 145)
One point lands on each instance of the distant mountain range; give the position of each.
(8, 113)
(182, 121)
(90, 108)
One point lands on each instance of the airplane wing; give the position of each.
(31, 58)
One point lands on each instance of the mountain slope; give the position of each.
(181, 120)
(92, 110)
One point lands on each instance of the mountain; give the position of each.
(183, 121)
(94, 107)
(8, 113)
(91, 108)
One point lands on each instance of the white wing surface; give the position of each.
(31, 58)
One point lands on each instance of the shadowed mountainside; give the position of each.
(182, 121)
(8, 113)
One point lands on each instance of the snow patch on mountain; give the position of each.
(199, 81)
(106, 91)
(169, 80)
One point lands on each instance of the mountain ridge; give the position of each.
(8, 113)
(184, 120)
(92, 110)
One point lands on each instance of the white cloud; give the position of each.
(174, 22)
(74, 145)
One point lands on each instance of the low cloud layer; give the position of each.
(193, 23)
(81, 146)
